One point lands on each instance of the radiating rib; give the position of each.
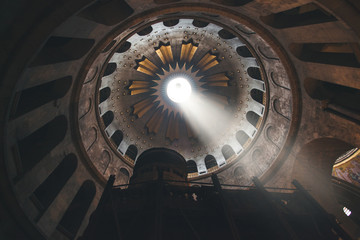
(217, 80)
(156, 120)
(217, 84)
(207, 62)
(140, 84)
(217, 77)
(165, 54)
(143, 106)
(187, 52)
(139, 91)
(147, 67)
(138, 87)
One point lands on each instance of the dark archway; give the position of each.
(75, 213)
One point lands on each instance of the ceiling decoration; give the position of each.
(229, 67)
(167, 112)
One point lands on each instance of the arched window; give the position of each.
(200, 24)
(257, 95)
(110, 69)
(104, 94)
(252, 118)
(132, 152)
(45, 194)
(75, 213)
(171, 23)
(145, 31)
(108, 117)
(244, 51)
(242, 137)
(34, 97)
(225, 34)
(124, 47)
(191, 166)
(227, 151)
(117, 137)
(37, 145)
(210, 161)
(254, 72)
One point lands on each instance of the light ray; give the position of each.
(207, 118)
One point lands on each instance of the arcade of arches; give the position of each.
(83, 94)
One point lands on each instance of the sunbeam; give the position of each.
(208, 119)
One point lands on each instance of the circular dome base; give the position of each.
(229, 65)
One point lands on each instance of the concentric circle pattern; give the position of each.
(224, 71)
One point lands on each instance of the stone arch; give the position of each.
(132, 152)
(191, 166)
(227, 151)
(210, 161)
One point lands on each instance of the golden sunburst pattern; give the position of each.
(166, 112)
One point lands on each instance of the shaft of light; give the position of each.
(208, 119)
